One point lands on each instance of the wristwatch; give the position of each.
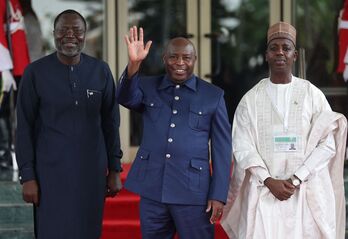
(295, 181)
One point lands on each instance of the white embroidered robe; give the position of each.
(252, 211)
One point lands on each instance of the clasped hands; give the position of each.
(281, 189)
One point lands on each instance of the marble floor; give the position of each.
(16, 216)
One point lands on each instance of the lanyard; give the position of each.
(273, 99)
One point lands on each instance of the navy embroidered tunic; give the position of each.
(67, 137)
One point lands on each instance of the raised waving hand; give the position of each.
(137, 52)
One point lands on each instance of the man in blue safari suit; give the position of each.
(180, 191)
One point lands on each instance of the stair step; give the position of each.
(131, 229)
(16, 227)
(122, 208)
(16, 234)
(121, 229)
(15, 213)
(111, 224)
(7, 175)
(16, 216)
(10, 192)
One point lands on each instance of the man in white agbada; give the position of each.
(288, 148)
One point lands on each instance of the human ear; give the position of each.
(295, 56)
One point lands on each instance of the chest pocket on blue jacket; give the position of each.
(199, 175)
(94, 100)
(199, 118)
(153, 108)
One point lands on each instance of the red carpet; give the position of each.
(121, 216)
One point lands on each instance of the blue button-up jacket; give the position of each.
(185, 126)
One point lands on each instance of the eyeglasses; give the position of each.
(63, 31)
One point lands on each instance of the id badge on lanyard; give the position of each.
(285, 143)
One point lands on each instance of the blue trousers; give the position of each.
(162, 221)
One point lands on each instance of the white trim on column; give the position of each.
(116, 56)
(274, 13)
(287, 11)
(205, 42)
(110, 34)
(122, 60)
(192, 25)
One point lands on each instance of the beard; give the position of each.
(69, 51)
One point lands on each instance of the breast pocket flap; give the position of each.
(199, 164)
(198, 110)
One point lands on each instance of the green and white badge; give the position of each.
(286, 143)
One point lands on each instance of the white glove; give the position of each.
(8, 81)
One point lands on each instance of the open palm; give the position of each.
(136, 50)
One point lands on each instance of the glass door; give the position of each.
(322, 31)
(239, 30)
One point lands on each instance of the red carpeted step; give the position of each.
(122, 208)
(219, 232)
(125, 229)
(121, 214)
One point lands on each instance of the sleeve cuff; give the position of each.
(124, 75)
(115, 163)
(26, 174)
(302, 173)
(261, 174)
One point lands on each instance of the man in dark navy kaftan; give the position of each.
(68, 148)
